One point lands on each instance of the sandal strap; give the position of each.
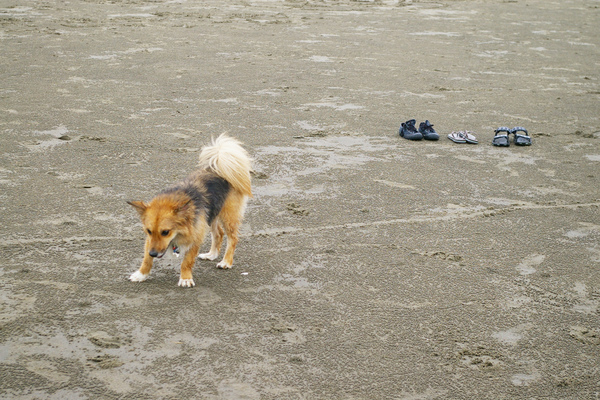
(519, 129)
(456, 135)
(503, 129)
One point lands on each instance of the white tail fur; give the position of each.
(226, 157)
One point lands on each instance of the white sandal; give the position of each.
(463, 137)
(470, 138)
(457, 137)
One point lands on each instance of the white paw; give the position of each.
(223, 265)
(208, 256)
(137, 276)
(186, 283)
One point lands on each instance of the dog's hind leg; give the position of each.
(231, 223)
(186, 279)
(216, 235)
(231, 230)
(231, 216)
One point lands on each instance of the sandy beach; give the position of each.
(369, 266)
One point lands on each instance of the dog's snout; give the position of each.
(153, 253)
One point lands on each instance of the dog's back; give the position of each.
(205, 190)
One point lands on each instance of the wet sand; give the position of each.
(370, 266)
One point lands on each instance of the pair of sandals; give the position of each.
(463, 137)
(501, 137)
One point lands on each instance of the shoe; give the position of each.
(426, 129)
(408, 130)
(521, 139)
(501, 139)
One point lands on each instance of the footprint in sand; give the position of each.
(585, 335)
(527, 266)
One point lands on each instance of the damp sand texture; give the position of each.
(369, 266)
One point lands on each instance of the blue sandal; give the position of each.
(520, 138)
(501, 139)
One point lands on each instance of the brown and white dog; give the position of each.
(213, 197)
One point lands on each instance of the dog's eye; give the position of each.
(165, 232)
(149, 231)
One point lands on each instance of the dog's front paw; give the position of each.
(137, 276)
(208, 256)
(186, 283)
(223, 265)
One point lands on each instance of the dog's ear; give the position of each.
(183, 206)
(139, 206)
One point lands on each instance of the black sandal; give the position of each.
(501, 139)
(521, 139)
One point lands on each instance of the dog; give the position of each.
(212, 198)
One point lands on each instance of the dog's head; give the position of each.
(163, 219)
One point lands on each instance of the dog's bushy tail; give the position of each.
(226, 157)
